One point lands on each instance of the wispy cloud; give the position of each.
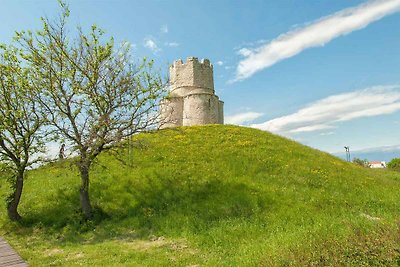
(326, 113)
(164, 28)
(326, 133)
(314, 34)
(381, 148)
(219, 63)
(374, 153)
(245, 52)
(151, 44)
(242, 118)
(171, 44)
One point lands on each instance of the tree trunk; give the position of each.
(12, 208)
(84, 191)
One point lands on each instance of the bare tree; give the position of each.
(92, 93)
(20, 124)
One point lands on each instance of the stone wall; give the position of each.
(199, 109)
(221, 112)
(171, 112)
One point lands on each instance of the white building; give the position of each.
(377, 164)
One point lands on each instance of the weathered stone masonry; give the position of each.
(192, 99)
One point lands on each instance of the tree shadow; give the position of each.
(167, 204)
(149, 206)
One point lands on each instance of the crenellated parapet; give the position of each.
(191, 76)
(205, 63)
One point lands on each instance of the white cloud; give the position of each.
(391, 148)
(151, 44)
(245, 52)
(164, 28)
(327, 133)
(312, 128)
(171, 44)
(326, 113)
(242, 118)
(317, 33)
(219, 63)
(388, 148)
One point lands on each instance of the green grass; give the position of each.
(211, 196)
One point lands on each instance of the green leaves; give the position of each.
(64, 7)
(87, 90)
(20, 122)
(394, 164)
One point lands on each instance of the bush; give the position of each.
(394, 164)
(361, 162)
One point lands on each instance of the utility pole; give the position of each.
(348, 158)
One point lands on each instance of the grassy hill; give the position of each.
(211, 196)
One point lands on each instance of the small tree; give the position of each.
(20, 125)
(361, 162)
(394, 164)
(92, 92)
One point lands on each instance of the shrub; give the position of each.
(361, 162)
(394, 164)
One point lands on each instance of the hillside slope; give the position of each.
(211, 196)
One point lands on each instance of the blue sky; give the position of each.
(325, 73)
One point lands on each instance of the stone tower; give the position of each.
(192, 99)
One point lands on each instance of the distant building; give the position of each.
(377, 164)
